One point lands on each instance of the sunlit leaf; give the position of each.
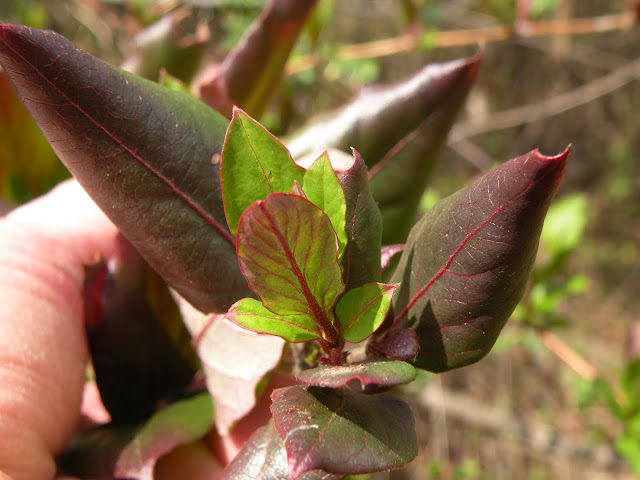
(467, 261)
(362, 310)
(288, 253)
(254, 164)
(143, 152)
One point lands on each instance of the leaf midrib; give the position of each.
(175, 190)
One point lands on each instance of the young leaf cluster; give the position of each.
(290, 232)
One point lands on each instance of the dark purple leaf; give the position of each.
(467, 261)
(146, 154)
(178, 424)
(384, 373)
(251, 72)
(399, 130)
(361, 260)
(397, 344)
(263, 457)
(141, 355)
(288, 251)
(342, 432)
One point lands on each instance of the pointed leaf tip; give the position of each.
(141, 151)
(479, 243)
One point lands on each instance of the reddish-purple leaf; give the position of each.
(466, 262)
(251, 72)
(399, 130)
(235, 361)
(146, 154)
(263, 457)
(384, 373)
(288, 252)
(361, 259)
(178, 424)
(342, 432)
(397, 344)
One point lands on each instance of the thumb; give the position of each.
(43, 248)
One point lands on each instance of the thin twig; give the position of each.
(456, 38)
(568, 355)
(551, 106)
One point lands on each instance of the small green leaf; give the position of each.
(254, 164)
(178, 424)
(362, 310)
(323, 189)
(251, 314)
(288, 252)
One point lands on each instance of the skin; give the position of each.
(43, 348)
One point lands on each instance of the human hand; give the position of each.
(44, 246)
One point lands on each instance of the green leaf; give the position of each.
(362, 310)
(466, 263)
(564, 224)
(323, 189)
(383, 373)
(180, 423)
(145, 153)
(251, 314)
(254, 164)
(288, 252)
(342, 432)
(361, 261)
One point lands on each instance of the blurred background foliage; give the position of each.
(567, 362)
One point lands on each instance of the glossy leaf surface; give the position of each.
(363, 309)
(467, 261)
(361, 260)
(178, 424)
(263, 457)
(254, 164)
(323, 189)
(142, 151)
(251, 314)
(251, 72)
(287, 250)
(386, 373)
(342, 432)
(399, 130)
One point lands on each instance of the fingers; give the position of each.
(43, 353)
